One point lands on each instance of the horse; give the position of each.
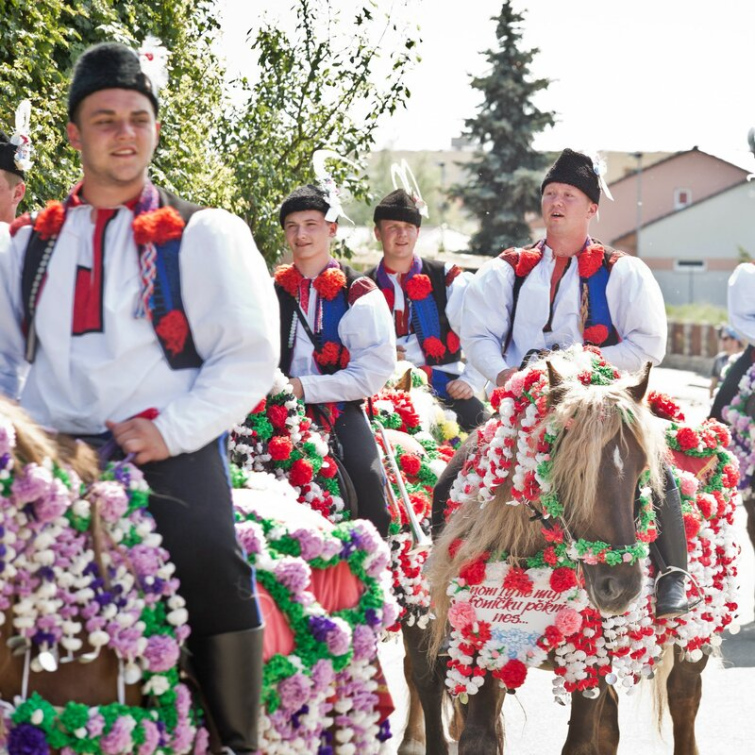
(544, 557)
(279, 438)
(92, 624)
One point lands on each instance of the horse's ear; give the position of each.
(554, 377)
(557, 387)
(405, 382)
(638, 391)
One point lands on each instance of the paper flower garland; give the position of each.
(278, 437)
(61, 604)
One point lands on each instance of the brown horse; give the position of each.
(606, 438)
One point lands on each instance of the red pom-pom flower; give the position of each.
(418, 287)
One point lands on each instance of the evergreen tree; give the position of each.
(504, 178)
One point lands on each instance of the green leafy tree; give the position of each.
(325, 84)
(40, 42)
(505, 176)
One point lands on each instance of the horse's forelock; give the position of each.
(588, 418)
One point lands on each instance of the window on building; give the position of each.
(682, 198)
(690, 266)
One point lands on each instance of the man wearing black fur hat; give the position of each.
(169, 342)
(12, 180)
(425, 297)
(568, 289)
(337, 340)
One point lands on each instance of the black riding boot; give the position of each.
(669, 553)
(228, 668)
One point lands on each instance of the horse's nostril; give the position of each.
(611, 587)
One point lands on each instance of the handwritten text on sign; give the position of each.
(533, 613)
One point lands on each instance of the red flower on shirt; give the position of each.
(452, 341)
(288, 278)
(528, 258)
(158, 227)
(172, 330)
(595, 334)
(418, 287)
(330, 282)
(433, 347)
(590, 260)
(50, 220)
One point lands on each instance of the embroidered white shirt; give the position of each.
(634, 300)
(366, 330)
(78, 382)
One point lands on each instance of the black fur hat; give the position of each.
(398, 205)
(108, 66)
(8, 156)
(575, 169)
(309, 197)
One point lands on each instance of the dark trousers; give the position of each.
(730, 386)
(442, 489)
(361, 458)
(470, 412)
(192, 508)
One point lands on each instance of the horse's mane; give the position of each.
(594, 415)
(34, 445)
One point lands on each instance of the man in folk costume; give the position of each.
(170, 340)
(337, 340)
(15, 159)
(741, 304)
(425, 297)
(568, 289)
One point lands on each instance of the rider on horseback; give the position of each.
(161, 358)
(12, 179)
(569, 288)
(337, 340)
(741, 301)
(425, 297)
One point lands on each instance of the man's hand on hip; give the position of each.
(140, 437)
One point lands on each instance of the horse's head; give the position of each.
(607, 439)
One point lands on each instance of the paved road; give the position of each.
(535, 725)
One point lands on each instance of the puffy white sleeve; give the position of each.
(486, 317)
(13, 365)
(638, 313)
(233, 313)
(741, 300)
(367, 331)
(454, 304)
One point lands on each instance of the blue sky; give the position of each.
(644, 75)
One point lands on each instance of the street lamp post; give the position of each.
(442, 205)
(638, 157)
